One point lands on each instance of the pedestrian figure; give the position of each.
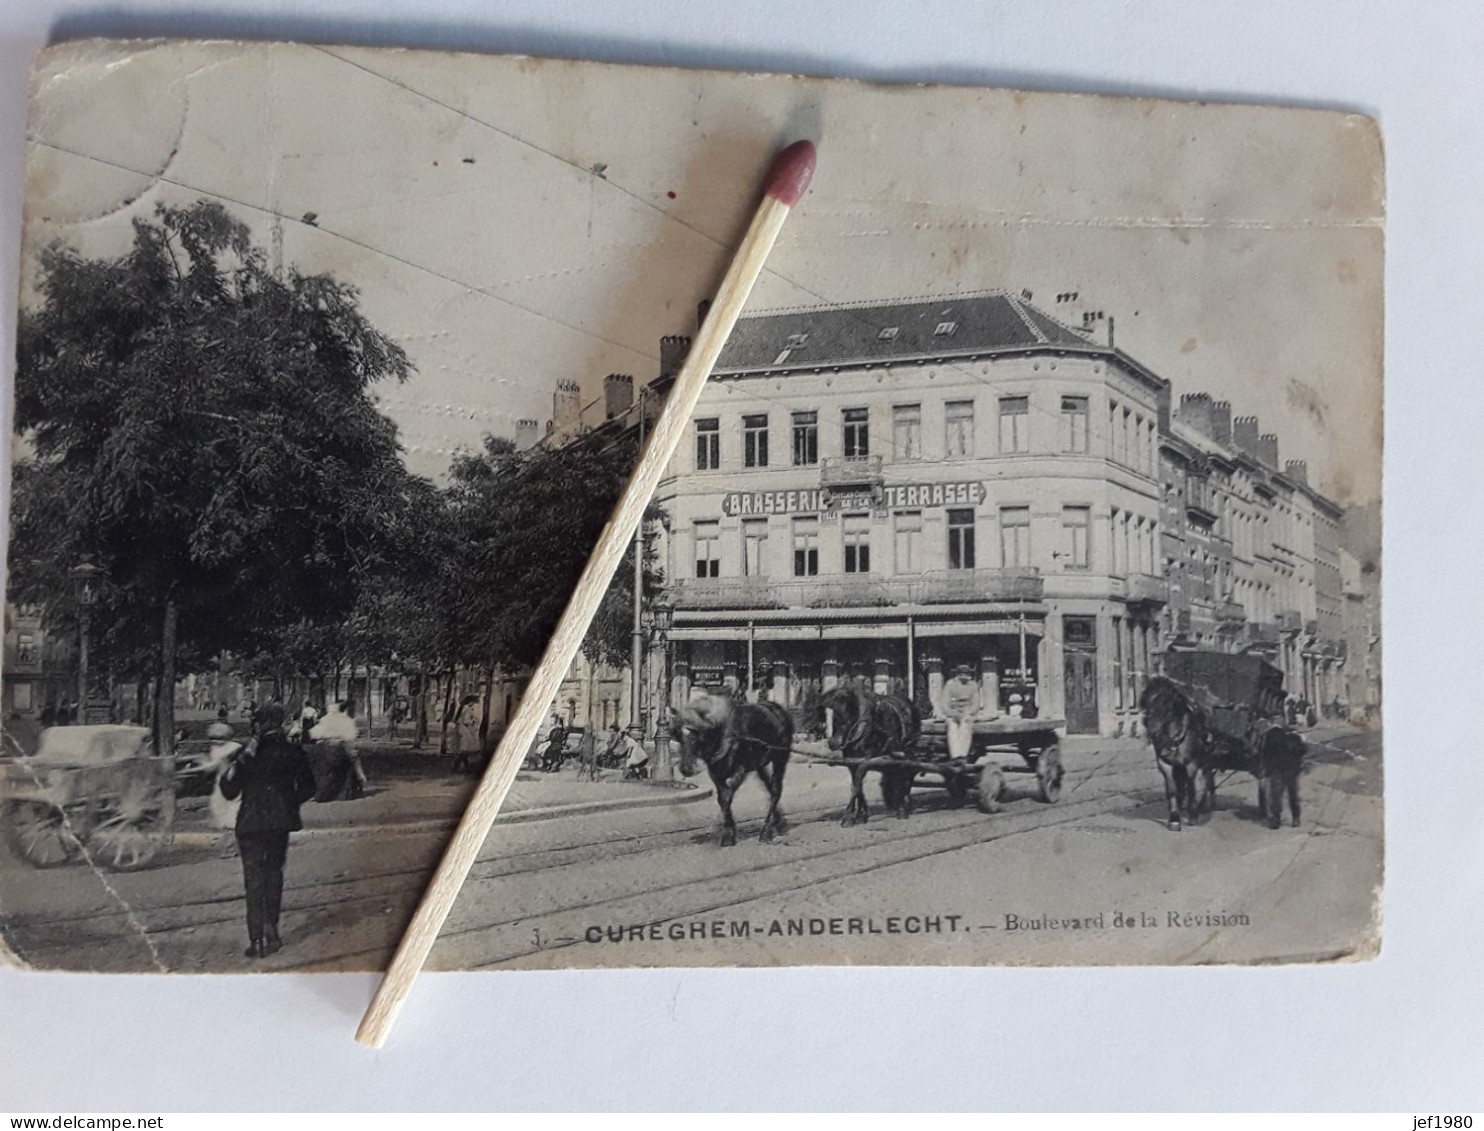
(556, 742)
(338, 734)
(636, 762)
(466, 732)
(220, 730)
(308, 716)
(272, 777)
(614, 748)
(587, 755)
(960, 707)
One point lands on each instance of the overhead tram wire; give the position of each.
(318, 226)
(640, 198)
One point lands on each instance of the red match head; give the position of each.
(791, 172)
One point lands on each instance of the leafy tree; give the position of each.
(525, 524)
(202, 428)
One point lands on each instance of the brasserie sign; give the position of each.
(816, 499)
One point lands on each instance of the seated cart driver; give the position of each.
(960, 705)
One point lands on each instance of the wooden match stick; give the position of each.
(787, 180)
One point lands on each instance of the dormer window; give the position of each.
(888, 333)
(945, 329)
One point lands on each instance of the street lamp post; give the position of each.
(84, 577)
(636, 658)
(659, 617)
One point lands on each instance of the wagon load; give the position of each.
(1240, 695)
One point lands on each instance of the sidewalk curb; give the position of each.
(209, 838)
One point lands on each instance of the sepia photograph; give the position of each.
(1014, 597)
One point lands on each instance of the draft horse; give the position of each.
(735, 739)
(867, 725)
(1178, 729)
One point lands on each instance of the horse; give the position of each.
(867, 725)
(735, 739)
(1177, 728)
(1280, 760)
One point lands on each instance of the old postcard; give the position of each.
(1014, 597)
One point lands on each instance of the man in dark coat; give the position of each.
(273, 777)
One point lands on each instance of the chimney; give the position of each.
(566, 408)
(1110, 331)
(618, 394)
(526, 432)
(1267, 450)
(1297, 470)
(1244, 434)
(1195, 410)
(1221, 422)
(673, 348)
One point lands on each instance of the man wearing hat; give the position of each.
(273, 777)
(960, 708)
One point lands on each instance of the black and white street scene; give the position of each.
(1014, 597)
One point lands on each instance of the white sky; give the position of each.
(1238, 248)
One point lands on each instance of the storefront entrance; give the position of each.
(1081, 674)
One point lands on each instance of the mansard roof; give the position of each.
(896, 330)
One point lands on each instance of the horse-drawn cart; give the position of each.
(94, 788)
(1214, 711)
(1036, 743)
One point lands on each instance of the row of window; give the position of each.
(1137, 536)
(1133, 437)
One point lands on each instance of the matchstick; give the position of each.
(787, 180)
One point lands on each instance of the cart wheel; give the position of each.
(38, 832)
(991, 786)
(1049, 772)
(131, 832)
(957, 786)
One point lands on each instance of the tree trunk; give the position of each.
(489, 691)
(165, 691)
(141, 701)
(447, 710)
(420, 735)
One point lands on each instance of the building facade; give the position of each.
(40, 669)
(879, 493)
(1250, 550)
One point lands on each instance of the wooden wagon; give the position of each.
(1034, 744)
(98, 790)
(1242, 698)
